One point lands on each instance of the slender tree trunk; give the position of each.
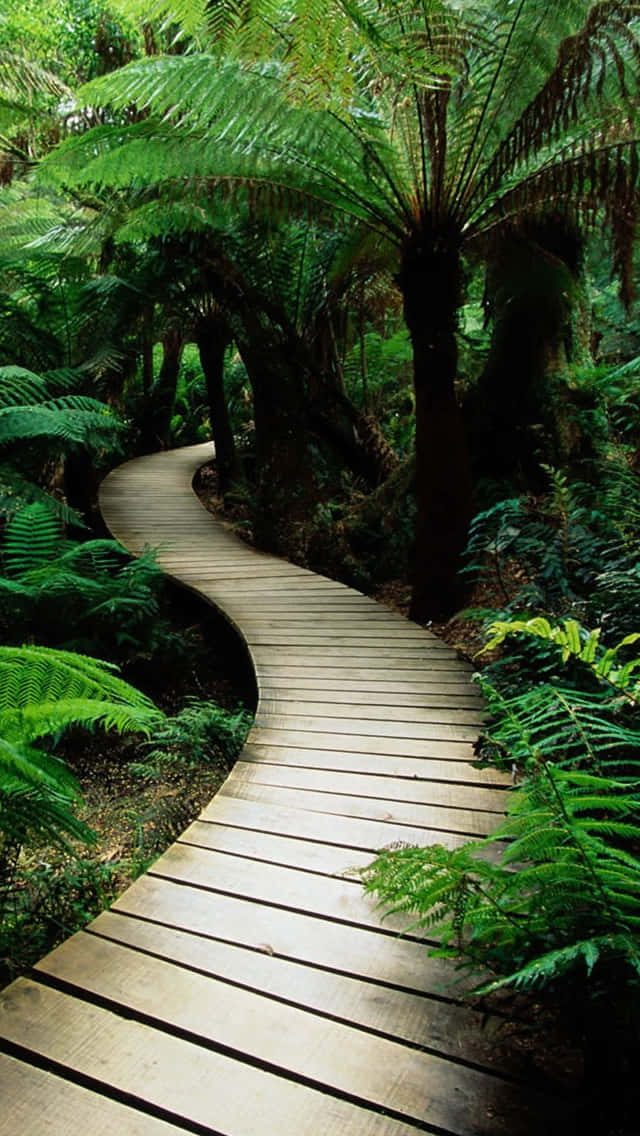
(286, 489)
(81, 484)
(430, 280)
(147, 348)
(535, 295)
(157, 428)
(212, 336)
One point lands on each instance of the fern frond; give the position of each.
(70, 427)
(32, 538)
(41, 675)
(16, 491)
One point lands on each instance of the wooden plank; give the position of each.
(342, 948)
(240, 572)
(420, 791)
(327, 678)
(35, 1102)
(344, 604)
(306, 585)
(286, 851)
(298, 890)
(447, 1027)
(349, 1062)
(320, 628)
(386, 765)
(223, 1095)
(319, 694)
(422, 657)
(362, 743)
(397, 645)
(462, 822)
(418, 674)
(451, 730)
(364, 633)
(342, 617)
(359, 833)
(373, 709)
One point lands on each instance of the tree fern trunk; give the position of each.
(212, 337)
(161, 397)
(430, 280)
(81, 485)
(534, 294)
(286, 489)
(147, 348)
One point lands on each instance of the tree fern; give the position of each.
(437, 125)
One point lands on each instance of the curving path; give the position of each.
(245, 986)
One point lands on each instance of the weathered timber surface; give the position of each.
(246, 986)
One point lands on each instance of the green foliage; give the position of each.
(379, 378)
(45, 901)
(17, 491)
(27, 412)
(572, 640)
(42, 692)
(201, 732)
(574, 546)
(76, 39)
(38, 420)
(32, 538)
(563, 896)
(81, 595)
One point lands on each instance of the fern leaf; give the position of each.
(33, 537)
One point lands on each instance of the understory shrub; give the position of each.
(201, 732)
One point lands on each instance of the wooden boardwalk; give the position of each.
(245, 986)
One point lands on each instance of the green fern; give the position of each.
(28, 410)
(575, 642)
(32, 538)
(42, 692)
(16, 491)
(78, 594)
(560, 894)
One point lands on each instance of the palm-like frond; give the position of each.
(26, 411)
(35, 676)
(453, 110)
(89, 428)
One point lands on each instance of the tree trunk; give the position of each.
(520, 413)
(157, 429)
(430, 281)
(81, 484)
(286, 490)
(212, 336)
(147, 348)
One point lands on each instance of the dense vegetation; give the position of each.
(384, 252)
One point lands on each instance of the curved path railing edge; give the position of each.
(245, 984)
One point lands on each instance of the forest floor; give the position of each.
(134, 817)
